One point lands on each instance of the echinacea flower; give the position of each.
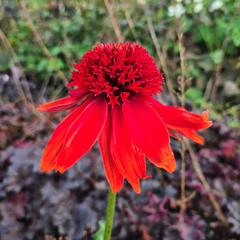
(113, 103)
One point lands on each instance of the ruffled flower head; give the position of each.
(112, 102)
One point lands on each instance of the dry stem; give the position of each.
(224, 45)
(114, 21)
(200, 174)
(185, 141)
(130, 22)
(16, 79)
(90, 179)
(28, 101)
(41, 43)
(161, 58)
(182, 87)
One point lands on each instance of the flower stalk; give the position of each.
(109, 214)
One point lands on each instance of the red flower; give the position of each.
(113, 103)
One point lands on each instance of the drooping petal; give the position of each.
(191, 135)
(113, 175)
(55, 143)
(205, 115)
(142, 164)
(174, 135)
(60, 104)
(167, 159)
(82, 134)
(178, 117)
(145, 127)
(77, 92)
(123, 149)
(48, 161)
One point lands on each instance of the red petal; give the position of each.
(48, 162)
(55, 143)
(82, 134)
(60, 104)
(178, 117)
(113, 175)
(145, 127)
(191, 135)
(167, 159)
(123, 149)
(141, 162)
(174, 135)
(205, 115)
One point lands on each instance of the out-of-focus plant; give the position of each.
(68, 29)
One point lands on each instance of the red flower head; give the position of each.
(113, 103)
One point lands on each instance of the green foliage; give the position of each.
(67, 33)
(195, 95)
(233, 123)
(69, 28)
(216, 56)
(99, 235)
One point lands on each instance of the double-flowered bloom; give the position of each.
(113, 102)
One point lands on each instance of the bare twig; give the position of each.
(90, 179)
(43, 87)
(182, 82)
(17, 82)
(207, 91)
(183, 206)
(41, 43)
(190, 197)
(116, 28)
(220, 65)
(187, 199)
(161, 58)
(186, 142)
(182, 88)
(28, 101)
(200, 174)
(159, 173)
(129, 20)
(16, 78)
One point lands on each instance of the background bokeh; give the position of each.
(39, 43)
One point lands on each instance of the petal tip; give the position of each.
(210, 123)
(147, 176)
(137, 190)
(47, 169)
(60, 169)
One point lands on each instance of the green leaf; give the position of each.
(4, 66)
(216, 56)
(59, 62)
(233, 123)
(195, 95)
(188, 24)
(55, 50)
(43, 65)
(236, 37)
(206, 63)
(176, 48)
(99, 235)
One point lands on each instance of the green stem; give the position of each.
(110, 214)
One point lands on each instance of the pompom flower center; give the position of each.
(117, 71)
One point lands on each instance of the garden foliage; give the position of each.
(34, 204)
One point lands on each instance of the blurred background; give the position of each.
(40, 41)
